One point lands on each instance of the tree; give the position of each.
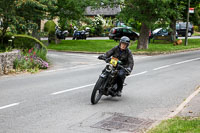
(148, 12)
(6, 16)
(178, 11)
(68, 10)
(29, 20)
(174, 13)
(23, 16)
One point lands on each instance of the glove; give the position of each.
(107, 60)
(101, 57)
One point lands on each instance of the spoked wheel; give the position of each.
(97, 91)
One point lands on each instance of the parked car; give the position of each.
(161, 32)
(117, 32)
(181, 29)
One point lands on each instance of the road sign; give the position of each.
(191, 10)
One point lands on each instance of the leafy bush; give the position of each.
(27, 42)
(49, 27)
(31, 60)
(196, 28)
(98, 26)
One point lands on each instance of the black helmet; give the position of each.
(125, 39)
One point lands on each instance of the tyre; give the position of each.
(96, 93)
(189, 34)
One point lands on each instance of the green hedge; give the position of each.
(27, 42)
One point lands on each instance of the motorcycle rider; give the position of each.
(123, 53)
(75, 32)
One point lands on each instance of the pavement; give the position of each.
(192, 109)
(107, 38)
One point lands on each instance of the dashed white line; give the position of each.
(72, 89)
(80, 87)
(186, 61)
(158, 68)
(10, 105)
(178, 63)
(133, 75)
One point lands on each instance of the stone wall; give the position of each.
(6, 61)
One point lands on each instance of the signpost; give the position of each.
(186, 35)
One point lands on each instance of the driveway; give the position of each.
(64, 60)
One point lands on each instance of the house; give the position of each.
(106, 12)
(90, 12)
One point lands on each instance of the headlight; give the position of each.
(109, 68)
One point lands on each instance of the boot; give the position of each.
(119, 93)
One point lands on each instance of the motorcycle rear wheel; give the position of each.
(97, 91)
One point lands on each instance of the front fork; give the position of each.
(109, 82)
(105, 76)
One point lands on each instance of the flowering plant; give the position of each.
(31, 60)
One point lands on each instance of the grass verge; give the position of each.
(178, 125)
(98, 46)
(196, 34)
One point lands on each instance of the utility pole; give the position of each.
(186, 35)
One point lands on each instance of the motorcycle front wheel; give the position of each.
(97, 91)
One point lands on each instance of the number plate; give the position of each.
(114, 61)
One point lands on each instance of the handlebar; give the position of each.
(127, 71)
(119, 65)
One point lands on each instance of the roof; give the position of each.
(108, 11)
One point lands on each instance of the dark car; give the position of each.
(181, 29)
(117, 32)
(161, 32)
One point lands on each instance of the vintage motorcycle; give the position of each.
(61, 34)
(80, 34)
(106, 84)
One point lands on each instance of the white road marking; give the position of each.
(133, 75)
(187, 61)
(10, 105)
(80, 87)
(72, 89)
(178, 63)
(158, 68)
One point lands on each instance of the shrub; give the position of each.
(25, 42)
(196, 28)
(98, 25)
(49, 27)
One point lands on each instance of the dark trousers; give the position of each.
(120, 79)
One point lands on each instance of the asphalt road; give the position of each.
(57, 100)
